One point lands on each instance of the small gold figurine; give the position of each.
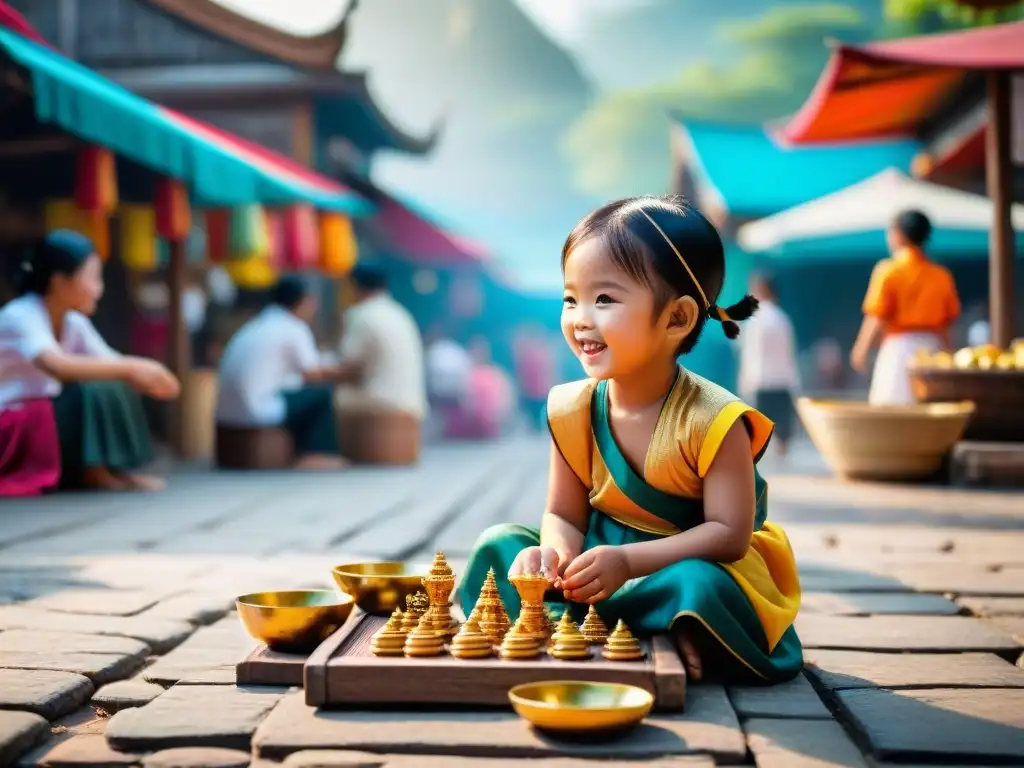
(423, 641)
(593, 628)
(519, 644)
(571, 644)
(564, 625)
(439, 584)
(415, 606)
(531, 589)
(390, 639)
(471, 643)
(493, 618)
(622, 645)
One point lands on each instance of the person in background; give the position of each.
(911, 303)
(768, 366)
(449, 367)
(271, 375)
(381, 352)
(534, 369)
(66, 416)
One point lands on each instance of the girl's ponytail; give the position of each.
(731, 316)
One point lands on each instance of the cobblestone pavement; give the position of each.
(118, 645)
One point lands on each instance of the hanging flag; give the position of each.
(95, 225)
(301, 237)
(248, 238)
(95, 179)
(218, 234)
(138, 237)
(173, 215)
(338, 248)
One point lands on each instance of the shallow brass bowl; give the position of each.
(294, 620)
(380, 587)
(576, 707)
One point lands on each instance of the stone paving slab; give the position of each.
(19, 732)
(779, 743)
(836, 579)
(868, 603)
(75, 740)
(709, 726)
(963, 580)
(71, 642)
(837, 670)
(194, 715)
(993, 606)
(45, 692)
(197, 757)
(100, 602)
(794, 699)
(159, 634)
(939, 724)
(332, 758)
(902, 633)
(198, 608)
(125, 694)
(99, 668)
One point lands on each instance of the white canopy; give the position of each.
(870, 206)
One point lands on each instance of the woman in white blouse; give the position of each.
(65, 412)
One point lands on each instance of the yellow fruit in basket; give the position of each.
(941, 360)
(965, 358)
(986, 355)
(1019, 357)
(1006, 361)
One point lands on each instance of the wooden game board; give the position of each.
(343, 671)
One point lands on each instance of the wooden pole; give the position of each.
(999, 178)
(178, 342)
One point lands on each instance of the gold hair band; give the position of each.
(723, 316)
(707, 304)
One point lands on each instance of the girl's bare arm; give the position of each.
(729, 507)
(68, 367)
(567, 511)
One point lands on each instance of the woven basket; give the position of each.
(998, 397)
(866, 442)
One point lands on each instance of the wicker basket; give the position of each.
(998, 397)
(866, 442)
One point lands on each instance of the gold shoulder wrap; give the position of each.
(569, 422)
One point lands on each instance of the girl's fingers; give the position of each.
(577, 565)
(581, 577)
(549, 563)
(584, 593)
(602, 595)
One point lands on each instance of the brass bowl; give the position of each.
(380, 587)
(577, 707)
(294, 620)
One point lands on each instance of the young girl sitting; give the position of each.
(655, 511)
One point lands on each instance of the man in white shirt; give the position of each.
(381, 352)
(768, 366)
(271, 376)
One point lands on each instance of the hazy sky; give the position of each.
(560, 17)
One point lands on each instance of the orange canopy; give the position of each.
(886, 89)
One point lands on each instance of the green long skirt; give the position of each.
(100, 424)
(697, 595)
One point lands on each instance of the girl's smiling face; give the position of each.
(608, 318)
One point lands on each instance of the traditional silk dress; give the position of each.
(917, 300)
(742, 612)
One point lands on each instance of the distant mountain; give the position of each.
(646, 43)
(509, 93)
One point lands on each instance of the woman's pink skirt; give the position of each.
(29, 449)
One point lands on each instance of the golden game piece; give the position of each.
(564, 625)
(493, 618)
(471, 642)
(390, 639)
(593, 628)
(571, 644)
(531, 589)
(519, 644)
(621, 645)
(415, 606)
(439, 584)
(423, 641)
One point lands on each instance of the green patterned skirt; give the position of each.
(100, 424)
(696, 595)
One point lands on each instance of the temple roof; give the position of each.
(313, 52)
(751, 174)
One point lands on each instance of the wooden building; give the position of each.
(280, 90)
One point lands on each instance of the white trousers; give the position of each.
(890, 380)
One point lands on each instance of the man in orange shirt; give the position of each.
(910, 305)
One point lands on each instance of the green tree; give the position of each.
(620, 146)
(921, 16)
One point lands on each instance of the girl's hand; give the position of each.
(151, 378)
(542, 560)
(595, 575)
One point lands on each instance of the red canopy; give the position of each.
(408, 234)
(886, 89)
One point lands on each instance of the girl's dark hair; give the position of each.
(61, 252)
(639, 249)
(914, 226)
